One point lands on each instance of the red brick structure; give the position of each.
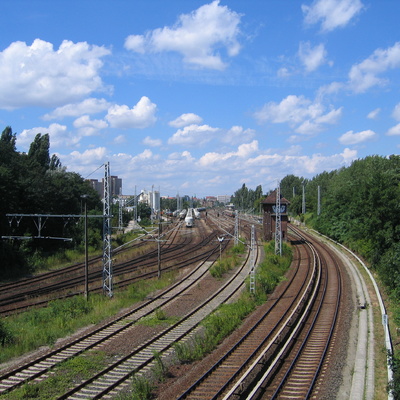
(269, 216)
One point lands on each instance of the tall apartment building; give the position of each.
(115, 186)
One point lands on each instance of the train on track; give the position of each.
(189, 219)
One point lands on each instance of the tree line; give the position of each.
(359, 207)
(37, 183)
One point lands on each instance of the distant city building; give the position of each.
(115, 183)
(152, 199)
(210, 201)
(97, 186)
(224, 199)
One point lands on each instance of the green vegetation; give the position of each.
(158, 317)
(248, 199)
(228, 317)
(360, 208)
(230, 260)
(64, 377)
(40, 327)
(35, 183)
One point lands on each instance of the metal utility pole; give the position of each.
(135, 210)
(252, 261)
(86, 250)
(278, 225)
(159, 249)
(107, 251)
(120, 212)
(303, 208)
(319, 201)
(236, 227)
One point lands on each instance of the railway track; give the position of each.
(267, 361)
(178, 251)
(121, 370)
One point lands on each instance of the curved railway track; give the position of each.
(267, 361)
(282, 355)
(120, 371)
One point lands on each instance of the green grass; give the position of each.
(64, 377)
(157, 318)
(228, 317)
(229, 261)
(42, 327)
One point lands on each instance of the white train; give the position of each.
(189, 219)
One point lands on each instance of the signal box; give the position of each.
(269, 216)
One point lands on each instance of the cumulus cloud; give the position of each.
(374, 114)
(186, 119)
(38, 75)
(396, 112)
(214, 159)
(394, 130)
(87, 106)
(302, 115)
(88, 127)
(142, 115)
(351, 137)
(331, 14)
(59, 136)
(193, 135)
(198, 36)
(364, 75)
(120, 139)
(312, 57)
(237, 134)
(148, 141)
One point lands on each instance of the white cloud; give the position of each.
(148, 141)
(363, 76)
(186, 119)
(120, 139)
(213, 159)
(88, 127)
(198, 36)
(237, 135)
(374, 114)
(351, 137)
(38, 75)
(87, 106)
(302, 115)
(312, 57)
(142, 115)
(193, 135)
(331, 13)
(396, 112)
(394, 130)
(59, 136)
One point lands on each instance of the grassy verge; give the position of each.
(65, 376)
(229, 261)
(221, 323)
(42, 327)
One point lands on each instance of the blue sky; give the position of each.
(199, 97)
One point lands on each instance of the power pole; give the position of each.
(278, 225)
(236, 227)
(303, 208)
(120, 211)
(107, 251)
(135, 213)
(252, 261)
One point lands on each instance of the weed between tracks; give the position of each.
(28, 331)
(64, 376)
(224, 320)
